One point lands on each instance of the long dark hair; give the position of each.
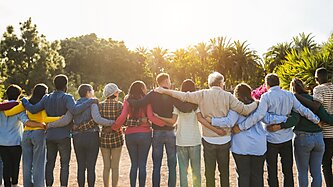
(243, 93)
(37, 93)
(189, 86)
(297, 86)
(135, 91)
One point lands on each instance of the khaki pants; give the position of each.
(111, 159)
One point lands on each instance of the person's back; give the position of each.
(280, 102)
(324, 94)
(188, 128)
(11, 129)
(56, 105)
(163, 106)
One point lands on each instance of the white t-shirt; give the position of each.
(188, 128)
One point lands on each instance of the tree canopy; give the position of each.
(28, 58)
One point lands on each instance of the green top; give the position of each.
(303, 124)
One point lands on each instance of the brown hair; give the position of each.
(243, 93)
(297, 86)
(161, 77)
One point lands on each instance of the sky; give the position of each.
(173, 24)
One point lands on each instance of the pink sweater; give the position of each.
(144, 112)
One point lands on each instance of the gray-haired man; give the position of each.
(214, 102)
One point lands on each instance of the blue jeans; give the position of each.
(163, 138)
(185, 155)
(138, 145)
(64, 148)
(309, 151)
(33, 158)
(1, 171)
(86, 146)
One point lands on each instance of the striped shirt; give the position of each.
(324, 94)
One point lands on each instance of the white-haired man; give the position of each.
(214, 102)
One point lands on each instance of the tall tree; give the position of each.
(276, 55)
(30, 58)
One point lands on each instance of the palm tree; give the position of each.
(276, 55)
(304, 41)
(246, 62)
(222, 54)
(157, 60)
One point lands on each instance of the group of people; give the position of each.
(255, 125)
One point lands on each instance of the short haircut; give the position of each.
(13, 92)
(215, 79)
(162, 77)
(84, 89)
(60, 82)
(272, 79)
(322, 73)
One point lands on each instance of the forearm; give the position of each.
(34, 124)
(325, 116)
(79, 108)
(15, 110)
(292, 120)
(64, 121)
(169, 121)
(312, 105)
(191, 97)
(98, 118)
(33, 108)
(8, 105)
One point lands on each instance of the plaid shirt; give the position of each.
(86, 126)
(111, 109)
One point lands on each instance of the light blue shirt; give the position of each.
(279, 102)
(251, 141)
(11, 128)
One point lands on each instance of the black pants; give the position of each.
(64, 148)
(327, 162)
(86, 146)
(250, 169)
(11, 157)
(286, 153)
(216, 154)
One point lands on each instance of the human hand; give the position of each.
(235, 129)
(144, 120)
(43, 125)
(209, 119)
(24, 101)
(95, 101)
(220, 132)
(75, 127)
(321, 124)
(159, 90)
(257, 101)
(156, 115)
(273, 128)
(107, 129)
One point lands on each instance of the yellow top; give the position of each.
(40, 117)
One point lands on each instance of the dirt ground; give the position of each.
(125, 167)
